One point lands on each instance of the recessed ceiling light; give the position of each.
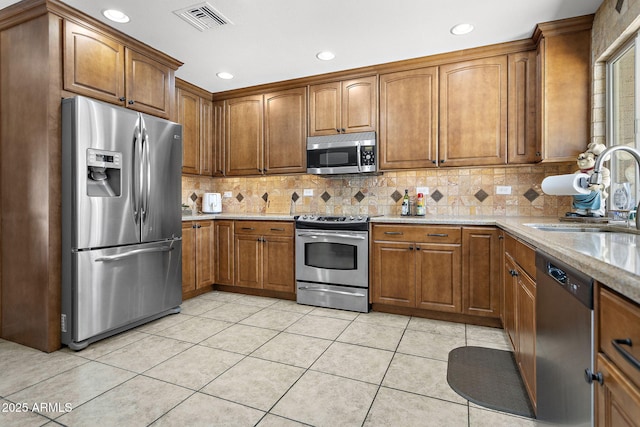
(325, 55)
(461, 29)
(225, 75)
(116, 16)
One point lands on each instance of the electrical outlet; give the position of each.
(423, 190)
(503, 189)
(227, 194)
(308, 192)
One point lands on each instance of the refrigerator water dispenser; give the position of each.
(103, 173)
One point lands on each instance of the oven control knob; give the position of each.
(304, 217)
(350, 218)
(359, 218)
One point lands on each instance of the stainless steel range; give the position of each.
(332, 261)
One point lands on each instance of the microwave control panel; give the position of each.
(367, 156)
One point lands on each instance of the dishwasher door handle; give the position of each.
(617, 344)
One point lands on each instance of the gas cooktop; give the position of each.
(344, 219)
(330, 222)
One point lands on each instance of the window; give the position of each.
(623, 90)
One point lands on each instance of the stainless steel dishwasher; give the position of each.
(564, 344)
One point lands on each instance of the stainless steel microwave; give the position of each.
(342, 153)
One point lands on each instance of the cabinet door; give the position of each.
(223, 252)
(526, 327)
(359, 102)
(218, 151)
(521, 142)
(617, 401)
(438, 277)
(394, 274)
(325, 109)
(285, 131)
(408, 135)
(93, 64)
(149, 84)
(188, 257)
(189, 118)
(244, 135)
(509, 306)
(206, 137)
(564, 105)
(473, 112)
(481, 271)
(248, 260)
(278, 263)
(205, 244)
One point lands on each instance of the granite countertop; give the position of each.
(611, 258)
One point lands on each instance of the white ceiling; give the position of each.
(275, 40)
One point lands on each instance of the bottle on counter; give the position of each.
(421, 209)
(405, 204)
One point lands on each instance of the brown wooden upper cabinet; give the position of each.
(343, 107)
(195, 114)
(473, 112)
(564, 107)
(408, 135)
(102, 67)
(521, 142)
(266, 134)
(218, 148)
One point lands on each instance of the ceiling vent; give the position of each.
(203, 16)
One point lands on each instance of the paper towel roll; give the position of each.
(566, 185)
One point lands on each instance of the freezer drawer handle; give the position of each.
(331, 291)
(617, 344)
(134, 253)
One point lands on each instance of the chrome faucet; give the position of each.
(596, 178)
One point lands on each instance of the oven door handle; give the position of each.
(331, 291)
(341, 235)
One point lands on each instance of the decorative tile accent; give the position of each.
(396, 196)
(265, 196)
(531, 195)
(481, 195)
(437, 196)
(193, 197)
(359, 196)
(295, 197)
(325, 196)
(239, 197)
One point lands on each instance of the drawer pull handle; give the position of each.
(437, 235)
(277, 229)
(248, 228)
(617, 344)
(394, 233)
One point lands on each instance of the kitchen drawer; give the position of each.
(510, 245)
(263, 228)
(417, 233)
(525, 256)
(620, 320)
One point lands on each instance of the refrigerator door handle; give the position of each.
(135, 182)
(134, 253)
(145, 172)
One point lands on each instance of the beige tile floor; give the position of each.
(238, 360)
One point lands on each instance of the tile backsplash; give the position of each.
(452, 191)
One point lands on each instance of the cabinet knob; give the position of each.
(122, 98)
(434, 162)
(417, 248)
(131, 102)
(500, 237)
(343, 130)
(337, 130)
(410, 248)
(442, 161)
(514, 273)
(590, 376)
(539, 154)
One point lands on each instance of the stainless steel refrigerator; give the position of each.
(121, 219)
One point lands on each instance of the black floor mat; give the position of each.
(489, 378)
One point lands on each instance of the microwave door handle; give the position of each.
(358, 155)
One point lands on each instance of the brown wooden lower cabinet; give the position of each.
(197, 255)
(264, 255)
(481, 271)
(417, 267)
(618, 397)
(519, 308)
(224, 252)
